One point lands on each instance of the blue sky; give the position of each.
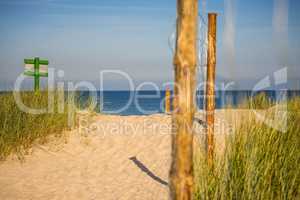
(82, 37)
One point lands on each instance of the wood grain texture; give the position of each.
(185, 61)
(210, 86)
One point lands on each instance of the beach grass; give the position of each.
(19, 130)
(258, 101)
(260, 162)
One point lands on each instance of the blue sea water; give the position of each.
(151, 102)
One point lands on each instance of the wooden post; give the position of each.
(210, 85)
(185, 62)
(168, 101)
(33, 68)
(36, 74)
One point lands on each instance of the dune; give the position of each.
(106, 157)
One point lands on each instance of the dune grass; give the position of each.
(259, 163)
(258, 101)
(19, 130)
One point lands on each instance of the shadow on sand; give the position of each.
(147, 171)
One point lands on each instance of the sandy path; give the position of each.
(118, 158)
(95, 167)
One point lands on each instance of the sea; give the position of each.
(152, 102)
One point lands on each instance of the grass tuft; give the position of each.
(259, 163)
(19, 130)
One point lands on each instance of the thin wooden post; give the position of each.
(210, 85)
(168, 101)
(36, 74)
(185, 61)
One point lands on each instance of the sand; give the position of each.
(107, 157)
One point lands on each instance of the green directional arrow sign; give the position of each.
(36, 68)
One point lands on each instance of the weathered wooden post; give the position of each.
(210, 85)
(168, 101)
(185, 62)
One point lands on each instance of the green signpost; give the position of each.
(36, 68)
